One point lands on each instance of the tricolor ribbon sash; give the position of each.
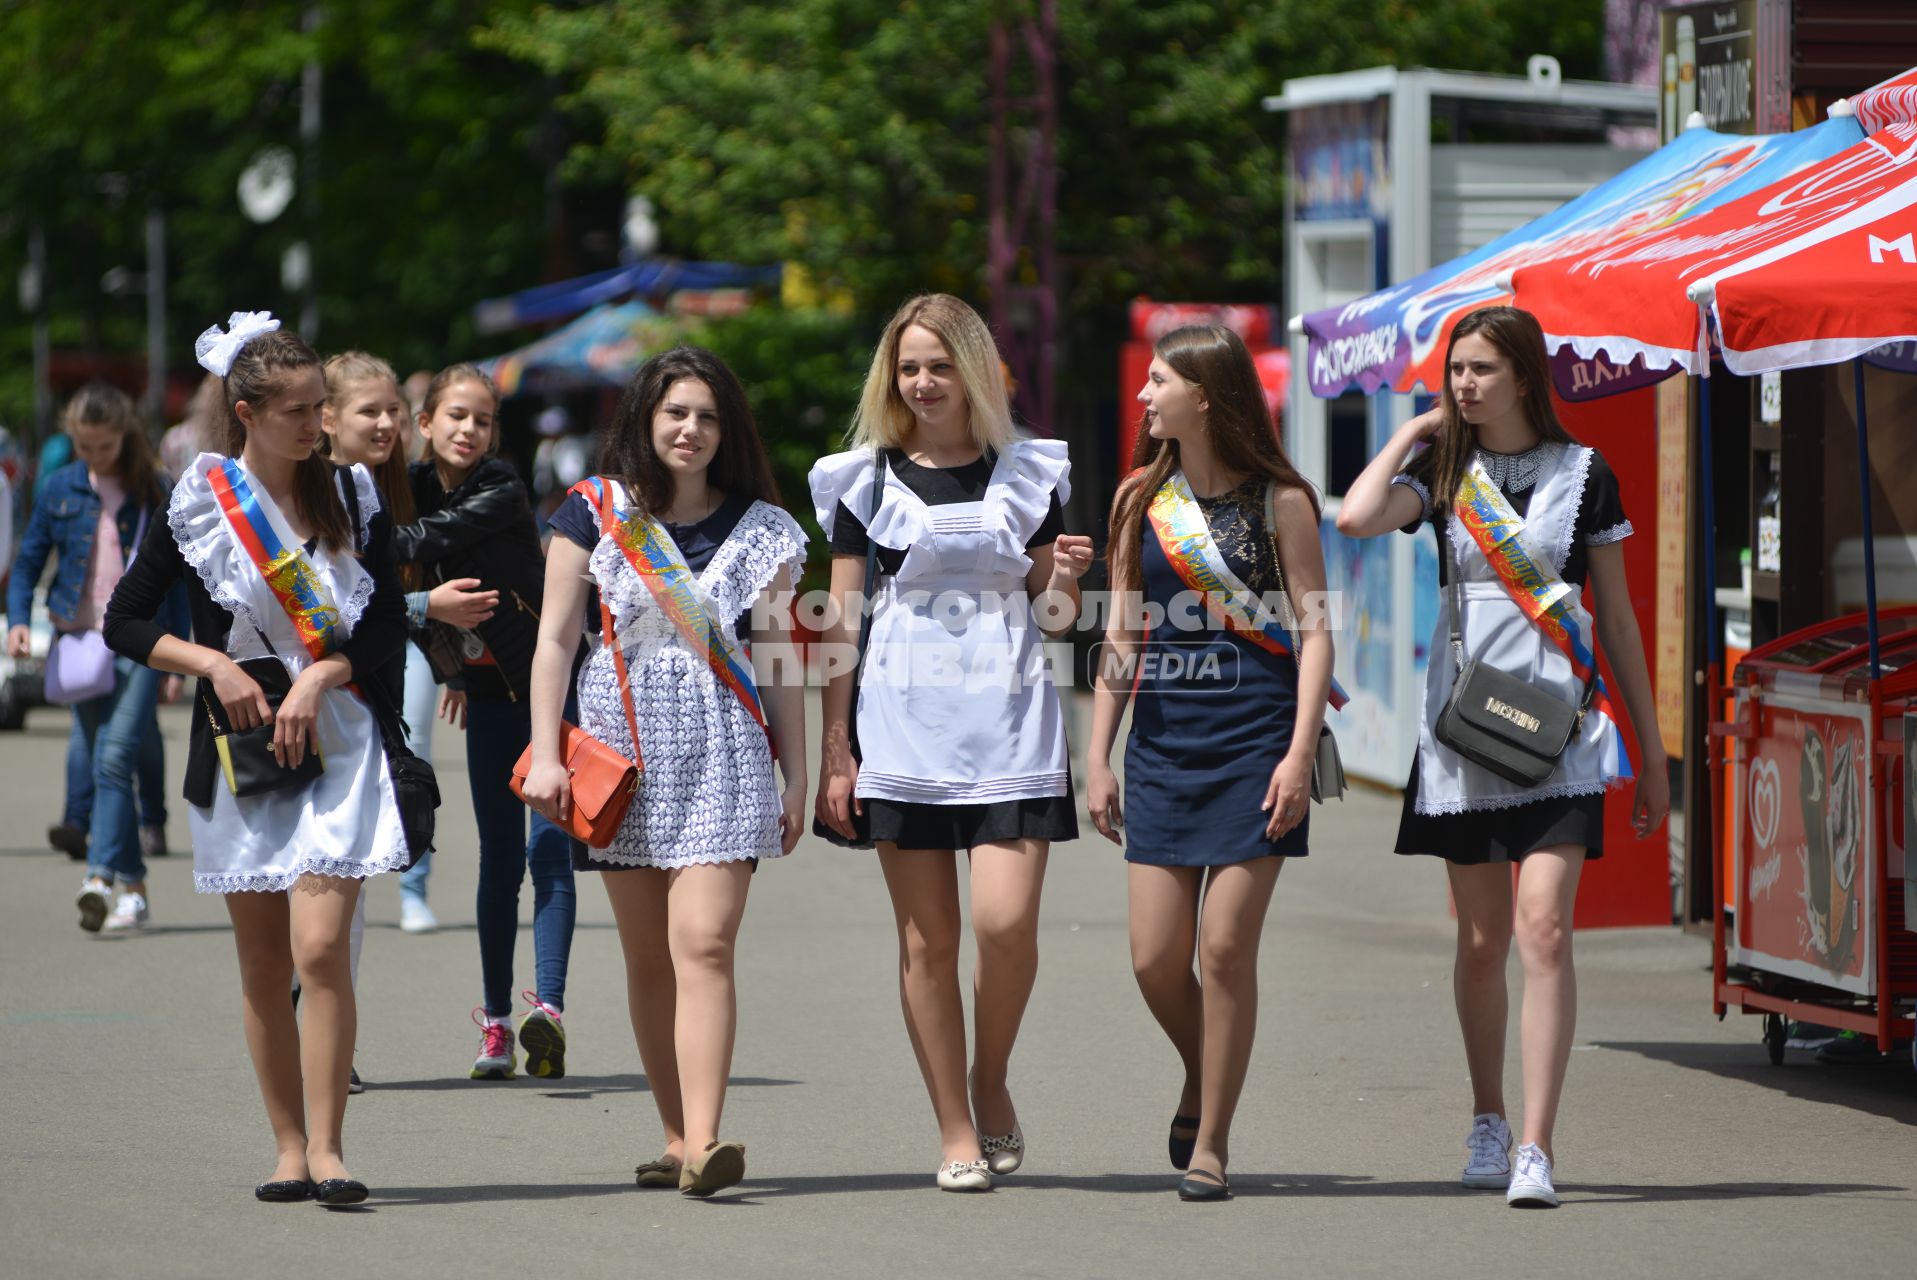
(287, 572)
(1179, 522)
(1533, 584)
(656, 558)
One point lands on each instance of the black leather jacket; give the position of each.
(484, 529)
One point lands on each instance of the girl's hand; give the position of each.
(19, 642)
(836, 805)
(170, 689)
(452, 707)
(1652, 803)
(1425, 425)
(791, 815)
(549, 790)
(294, 724)
(461, 603)
(240, 696)
(1101, 795)
(1287, 795)
(1071, 557)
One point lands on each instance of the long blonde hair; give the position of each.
(884, 420)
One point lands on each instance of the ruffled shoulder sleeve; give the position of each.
(842, 477)
(206, 540)
(774, 548)
(1034, 471)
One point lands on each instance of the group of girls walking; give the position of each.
(664, 602)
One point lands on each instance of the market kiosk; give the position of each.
(1821, 759)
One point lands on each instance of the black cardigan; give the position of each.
(131, 631)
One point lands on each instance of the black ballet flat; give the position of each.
(1179, 1148)
(1196, 1186)
(285, 1191)
(337, 1193)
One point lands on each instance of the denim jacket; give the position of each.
(64, 523)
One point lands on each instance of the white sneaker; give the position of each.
(93, 904)
(129, 913)
(415, 916)
(1489, 1167)
(1531, 1181)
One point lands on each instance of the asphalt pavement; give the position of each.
(133, 1131)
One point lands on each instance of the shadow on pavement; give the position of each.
(1883, 1088)
(572, 1088)
(400, 1197)
(1312, 1185)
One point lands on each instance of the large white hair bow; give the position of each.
(216, 351)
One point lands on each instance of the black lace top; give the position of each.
(1237, 521)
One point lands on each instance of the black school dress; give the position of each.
(1507, 834)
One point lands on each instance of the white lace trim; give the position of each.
(190, 514)
(1418, 487)
(1605, 537)
(280, 881)
(1581, 466)
(669, 861)
(368, 494)
(1546, 791)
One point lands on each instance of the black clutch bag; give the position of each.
(246, 755)
(1497, 721)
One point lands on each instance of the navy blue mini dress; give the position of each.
(1212, 713)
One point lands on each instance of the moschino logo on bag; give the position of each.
(1505, 711)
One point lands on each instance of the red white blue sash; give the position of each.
(1179, 522)
(656, 558)
(286, 571)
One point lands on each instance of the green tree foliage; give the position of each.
(851, 136)
(434, 166)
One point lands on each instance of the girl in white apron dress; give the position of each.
(1499, 443)
(275, 570)
(957, 740)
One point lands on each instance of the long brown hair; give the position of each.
(100, 404)
(1215, 359)
(258, 373)
(350, 369)
(1516, 334)
(739, 467)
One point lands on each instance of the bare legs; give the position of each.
(1541, 923)
(678, 930)
(302, 1075)
(1006, 883)
(1210, 1018)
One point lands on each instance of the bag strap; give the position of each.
(1454, 586)
(871, 555)
(1290, 622)
(606, 631)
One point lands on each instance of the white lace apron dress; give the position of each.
(1568, 498)
(708, 794)
(956, 706)
(346, 821)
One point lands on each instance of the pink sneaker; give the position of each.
(495, 1060)
(543, 1039)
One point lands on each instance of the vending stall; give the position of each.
(1821, 797)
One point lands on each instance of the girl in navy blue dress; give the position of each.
(1207, 533)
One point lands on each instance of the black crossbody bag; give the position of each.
(1497, 721)
(415, 785)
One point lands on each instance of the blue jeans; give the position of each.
(150, 783)
(422, 700)
(115, 727)
(496, 732)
